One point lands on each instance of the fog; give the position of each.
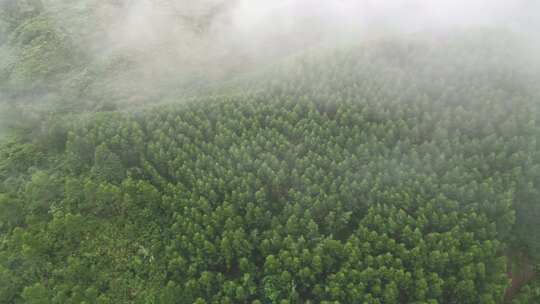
(256, 26)
(137, 50)
(170, 40)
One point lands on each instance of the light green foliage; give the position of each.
(42, 55)
(33, 50)
(36, 294)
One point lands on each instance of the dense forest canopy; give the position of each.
(398, 168)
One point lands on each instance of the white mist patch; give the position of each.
(295, 22)
(168, 41)
(284, 23)
(290, 16)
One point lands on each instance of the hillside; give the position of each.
(401, 170)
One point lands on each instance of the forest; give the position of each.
(398, 169)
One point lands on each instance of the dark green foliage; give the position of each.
(369, 175)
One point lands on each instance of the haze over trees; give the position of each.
(399, 168)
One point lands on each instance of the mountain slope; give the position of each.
(398, 171)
